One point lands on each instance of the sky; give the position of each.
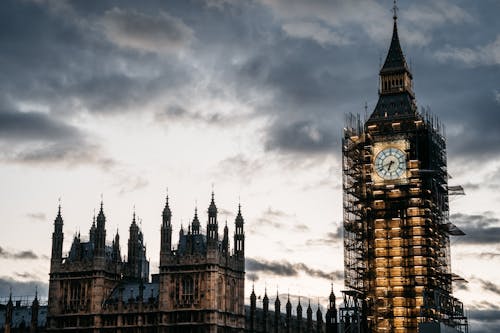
(124, 99)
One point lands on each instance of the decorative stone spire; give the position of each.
(225, 239)
(100, 232)
(57, 236)
(196, 223)
(212, 226)
(166, 233)
(239, 235)
(167, 213)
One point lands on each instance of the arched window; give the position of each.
(187, 290)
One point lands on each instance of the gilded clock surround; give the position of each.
(379, 147)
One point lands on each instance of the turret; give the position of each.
(225, 240)
(277, 313)
(134, 250)
(100, 243)
(57, 238)
(319, 320)
(309, 323)
(288, 315)
(331, 314)
(8, 314)
(195, 225)
(166, 231)
(299, 317)
(239, 235)
(265, 310)
(253, 307)
(116, 255)
(92, 231)
(212, 227)
(35, 306)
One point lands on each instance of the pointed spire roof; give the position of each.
(309, 310)
(395, 60)
(100, 216)
(167, 213)
(59, 216)
(252, 295)
(239, 217)
(212, 208)
(196, 222)
(332, 295)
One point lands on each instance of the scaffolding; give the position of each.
(396, 232)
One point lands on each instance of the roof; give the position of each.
(192, 243)
(394, 106)
(21, 316)
(130, 290)
(395, 60)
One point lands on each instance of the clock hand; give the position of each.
(389, 165)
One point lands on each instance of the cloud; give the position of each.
(177, 112)
(239, 167)
(488, 54)
(302, 136)
(330, 238)
(284, 268)
(37, 216)
(489, 286)
(272, 218)
(23, 288)
(151, 33)
(321, 34)
(38, 138)
(479, 228)
(28, 254)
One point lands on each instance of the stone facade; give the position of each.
(200, 286)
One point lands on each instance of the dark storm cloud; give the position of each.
(479, 229)
(23, 288)
(35, 137)
(331, 238)
(63, 61)
(301, 65)
(302, 136)
(287, 269)
(28, 254)
(33, 125)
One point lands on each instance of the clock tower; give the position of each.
(396, 214)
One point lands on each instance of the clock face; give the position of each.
(390, 163)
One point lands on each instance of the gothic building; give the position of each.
(396, 214)
(200, 286)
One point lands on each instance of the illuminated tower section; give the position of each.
(396, 226)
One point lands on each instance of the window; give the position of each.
(187, 290)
